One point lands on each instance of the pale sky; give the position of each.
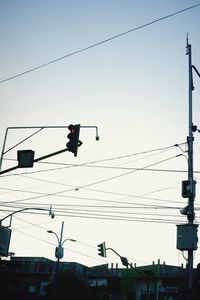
(134, 88)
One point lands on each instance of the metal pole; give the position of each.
(51, 214)
(190, 171)
(23, 127)
(138, 271)
(39, 129)
(58, 260)
(61, 234)
(3, 148)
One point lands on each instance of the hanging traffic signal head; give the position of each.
(124, 261)
(102, 249)
(73, 137)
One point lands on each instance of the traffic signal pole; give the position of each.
(73, 146)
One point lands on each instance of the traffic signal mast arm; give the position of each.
(25, 161)
(35, 160)
(102, 252)
(124, 260)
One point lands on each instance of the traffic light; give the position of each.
(102, 249)
(73, 137)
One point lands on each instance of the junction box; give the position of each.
(187, 237)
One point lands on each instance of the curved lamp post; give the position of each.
(59, 253)
(51, 214)
(5, 231)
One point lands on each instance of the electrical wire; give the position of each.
(99, 166)
(104, 209)
(106, 212)
(50, 243)
(121, 216)
(47, 242)
(111, 201)
(96, 182)
(100, 43)
(91, 163)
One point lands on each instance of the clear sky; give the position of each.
(124, 189)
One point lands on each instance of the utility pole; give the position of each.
(187, 233)
(190, 140)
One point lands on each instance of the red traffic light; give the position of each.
(73, 137)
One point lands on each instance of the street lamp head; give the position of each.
(49, 231)
(70, 240)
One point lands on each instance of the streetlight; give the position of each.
(51, 214)
(5, 231)
(59, 252)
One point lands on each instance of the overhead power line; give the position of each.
(47, 242)
(117, 215)
(99, 43)
(96, 182)
(92, 163)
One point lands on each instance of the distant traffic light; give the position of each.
(102, 249)
(73, 137)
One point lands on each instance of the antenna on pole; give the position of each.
(187, 41)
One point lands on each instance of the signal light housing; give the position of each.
(124, 261)
(102, 249)
(73, 136)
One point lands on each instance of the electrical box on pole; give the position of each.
(5, 234)
(187, 237)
